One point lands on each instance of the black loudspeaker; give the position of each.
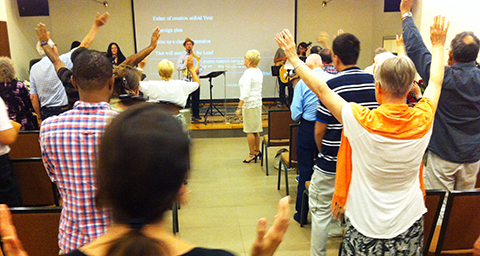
(33, 8)
(392, 6)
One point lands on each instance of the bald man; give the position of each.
(304, 107)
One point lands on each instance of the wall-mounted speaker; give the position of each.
(392, 6)
(33, 8)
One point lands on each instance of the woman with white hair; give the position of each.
(250, 105)
(16, 96)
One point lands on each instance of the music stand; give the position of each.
(210, 108)
(276, 74)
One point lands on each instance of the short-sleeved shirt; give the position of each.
(45, 83)
(69, 144)
(354, 85)
(305, 102)
(385, 196)
(173, 91)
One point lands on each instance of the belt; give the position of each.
(59, 108)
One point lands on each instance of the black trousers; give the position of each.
(194, 99)
(9, 187)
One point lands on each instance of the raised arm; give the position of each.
(44, 35)
(330, 99)
(414, 45)
(438, 36)
(100, 20)
(138, 57)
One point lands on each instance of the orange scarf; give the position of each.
(396, 121)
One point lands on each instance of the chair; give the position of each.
(35, 185)
(278, 132)
(433, 202)
(37, 228)
(26, 145)
(289, 159)
(461, 224)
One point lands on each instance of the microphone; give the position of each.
(190, 51)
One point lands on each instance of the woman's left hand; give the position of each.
(238, 113)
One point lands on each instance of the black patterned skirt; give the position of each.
(409, 242)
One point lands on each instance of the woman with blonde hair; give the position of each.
(250, 105)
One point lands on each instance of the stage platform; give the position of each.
(218, 126)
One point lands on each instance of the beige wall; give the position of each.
(69, 20)
(352, 16)
(21, 35)
(462, 16)
(3, 11)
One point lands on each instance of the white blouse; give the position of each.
(251, 88)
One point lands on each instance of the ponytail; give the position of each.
(136, 243)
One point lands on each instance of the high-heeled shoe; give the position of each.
(259, 154)
(253, 158)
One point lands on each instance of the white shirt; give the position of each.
(173, 91)
(251, 88)
(4, 125)
(384, 198)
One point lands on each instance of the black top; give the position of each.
(65, 76)
(197, 251)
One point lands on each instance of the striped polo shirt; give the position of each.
(354, 85)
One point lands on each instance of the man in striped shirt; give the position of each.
(354, 85)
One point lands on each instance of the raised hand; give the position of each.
(100, 20)
(267, 242)
(406, 6)
(285, 41)
(155, 36)
(438, 31)
(43, 34)
(189, 62)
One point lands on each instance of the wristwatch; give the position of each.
(42, 43)
(407, 14)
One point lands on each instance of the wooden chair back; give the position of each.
(293, 145)
(461, 223)
(37, 228)
(433, 202)
(278, 124)
(35, 185)
(26, 145)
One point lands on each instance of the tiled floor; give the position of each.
(228, 197)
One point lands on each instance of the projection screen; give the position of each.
(223, 31)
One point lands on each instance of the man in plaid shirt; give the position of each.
(69, 145)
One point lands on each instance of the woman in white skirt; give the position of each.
(250, 105)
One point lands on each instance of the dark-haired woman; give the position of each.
(115, 54)
(143, 163)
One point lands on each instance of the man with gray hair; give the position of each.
(46, 90)
(452, 159)
(304, 108)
